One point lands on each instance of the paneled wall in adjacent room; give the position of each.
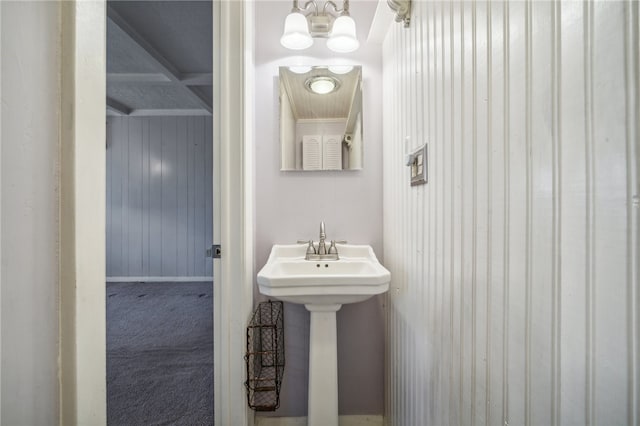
(159, 198)
(515, 268)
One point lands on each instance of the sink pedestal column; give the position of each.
(323, 366)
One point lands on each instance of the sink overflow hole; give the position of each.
(326, 266)
(318, 265)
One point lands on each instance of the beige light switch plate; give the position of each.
(419, 166)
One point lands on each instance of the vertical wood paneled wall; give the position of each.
(159, 196)
(515, 292)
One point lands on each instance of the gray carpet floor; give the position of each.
(159, 354)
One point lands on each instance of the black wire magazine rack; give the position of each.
(265, 356)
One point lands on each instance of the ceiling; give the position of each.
(308, 105)
(160, 52)
(159, 57)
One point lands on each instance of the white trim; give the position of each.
(233, 293)
(218, 352)
(82, 214)
(82, 303)
(157, 279)
(249, 169)
(335, 120)
(382, 19)
(361, 420)
(0, 210)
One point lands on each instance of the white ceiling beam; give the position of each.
(166, 67)
(117, 108)
(188, 79)
(167, 112)
(122, 77)
(161, 63)
(198, 79)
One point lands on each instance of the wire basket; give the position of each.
(265, 356)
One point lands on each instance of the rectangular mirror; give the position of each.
(321, 118)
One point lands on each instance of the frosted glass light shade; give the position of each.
(296, 32)
(300, 69)
(322, 86)
(343, 36)
(340, 69)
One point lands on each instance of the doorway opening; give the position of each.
(159, 225)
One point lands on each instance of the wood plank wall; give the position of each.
(515, 271)
(159, 196)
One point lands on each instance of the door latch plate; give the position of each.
(214, 251)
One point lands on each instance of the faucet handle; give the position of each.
(332, 248)
(311, 249)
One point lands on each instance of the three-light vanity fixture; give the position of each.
(333, 23)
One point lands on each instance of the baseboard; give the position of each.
(156, 279)
(364, 420)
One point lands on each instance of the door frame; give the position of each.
(233, 297)
(82, 219)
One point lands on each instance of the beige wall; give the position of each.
(29, 193)
(515, 269)
(290, 205)
(42, 153)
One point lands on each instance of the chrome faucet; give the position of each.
(322, 248)
(321, 252)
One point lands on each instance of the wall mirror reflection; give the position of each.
(321, 118)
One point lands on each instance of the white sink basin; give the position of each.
(355, 277)
(323, 287)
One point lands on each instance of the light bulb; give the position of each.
(322, 85)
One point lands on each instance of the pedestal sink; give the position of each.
(323, 287)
